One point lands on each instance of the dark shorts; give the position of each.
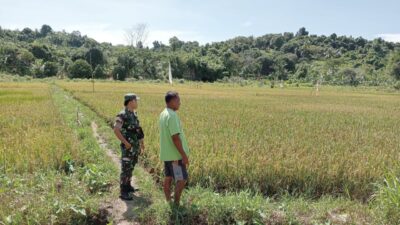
(176, 170)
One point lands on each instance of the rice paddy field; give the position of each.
(271, 141)
(32, 130)
(47, 170)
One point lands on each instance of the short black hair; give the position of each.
(170, 95)
(127, 101)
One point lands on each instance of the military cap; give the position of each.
(130, 96)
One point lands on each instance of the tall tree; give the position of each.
(175, 43)
(302, 32)
(95, 57)
(136, 36)
(45, 30)
(80, 69)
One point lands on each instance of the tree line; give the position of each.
(295, 57)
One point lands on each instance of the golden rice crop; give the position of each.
(270, 140)
(32, 133)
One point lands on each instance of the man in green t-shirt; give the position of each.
(174, 148)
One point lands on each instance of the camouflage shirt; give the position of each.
(128, 123)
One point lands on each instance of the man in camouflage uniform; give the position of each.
(128, 131)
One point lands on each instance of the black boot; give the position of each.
(129, 188)
(125, 195)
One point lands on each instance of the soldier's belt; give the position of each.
(138, 132)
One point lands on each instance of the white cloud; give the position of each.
(99, 32)
(106, 33)
(390, 37)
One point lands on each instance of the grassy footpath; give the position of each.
(98, 172)
(203, 206)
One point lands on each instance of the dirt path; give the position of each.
(122, 212)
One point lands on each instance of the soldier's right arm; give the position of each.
(117, 131)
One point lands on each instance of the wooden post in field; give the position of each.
(90, 59)
(78, 122)
(169, 73)
(317, 86)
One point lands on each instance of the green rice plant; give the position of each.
(388, 198)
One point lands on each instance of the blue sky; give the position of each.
(206, 20)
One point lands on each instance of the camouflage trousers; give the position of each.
(129, 158)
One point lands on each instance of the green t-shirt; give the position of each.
(170, 124)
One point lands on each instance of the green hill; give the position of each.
(296, 57)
